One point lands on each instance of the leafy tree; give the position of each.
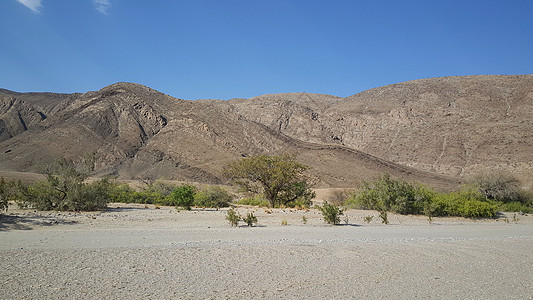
(183, 196)
(65, 189)
(279, 177)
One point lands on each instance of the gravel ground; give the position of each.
(134, 252)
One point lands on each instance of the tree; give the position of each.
(65, 189)
(279, 177)
(183, 196)
(499, 187)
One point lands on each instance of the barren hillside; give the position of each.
(434, 130)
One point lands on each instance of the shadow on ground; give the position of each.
(9, 222)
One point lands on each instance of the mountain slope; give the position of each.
(457, 126)
(435, 131)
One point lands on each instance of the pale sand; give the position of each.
(134, 252)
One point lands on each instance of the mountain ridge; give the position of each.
(437, 130)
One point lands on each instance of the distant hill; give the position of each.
(436, 131)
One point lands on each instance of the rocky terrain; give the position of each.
(437, 131)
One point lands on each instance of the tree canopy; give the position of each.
(280, 178)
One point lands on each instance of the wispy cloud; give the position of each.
(34, 5)
(102, 6)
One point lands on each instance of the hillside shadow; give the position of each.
(8, 222)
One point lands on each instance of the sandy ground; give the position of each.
(137, 252)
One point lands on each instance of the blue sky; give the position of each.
(195, 49)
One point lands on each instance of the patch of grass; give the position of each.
(258, 200)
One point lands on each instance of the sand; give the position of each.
(133, 252)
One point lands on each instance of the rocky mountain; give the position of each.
(436, 131)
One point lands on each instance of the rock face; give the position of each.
(456, 126)
(436, 131)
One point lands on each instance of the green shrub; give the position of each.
(250, 219)
(183, 196)
(123, 193)
(331, 213)
(468, 203)
(212, 196)
(65, 189)
(232, 217)
(384, 217)
(257, 200)
(393, 195)
(157, 193)
(514, 207)
(74, 196)
(8, 192)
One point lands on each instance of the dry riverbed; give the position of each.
(137, 252)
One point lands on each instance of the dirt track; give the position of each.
(134, 252)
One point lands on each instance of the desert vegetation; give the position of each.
(269, 181)
(279, 178)
(66, 189)
(331, 213)
(481, 197)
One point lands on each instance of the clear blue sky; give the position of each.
(194, 49)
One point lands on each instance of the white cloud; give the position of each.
(31, 4)
(102, 5)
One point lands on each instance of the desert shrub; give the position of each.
(183, 196)
(331, 213)
(232, 217)
(499, 187)
(46, 195)
(368, 219)
(65, 189)
(123, 193)
(384, 217)
(515, 207)
(9, 191)
(257, 200)
(468, 203)
(157, 193)
(390, 194)
(250, 219)
(212, 196)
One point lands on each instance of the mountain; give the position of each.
(437, 131)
